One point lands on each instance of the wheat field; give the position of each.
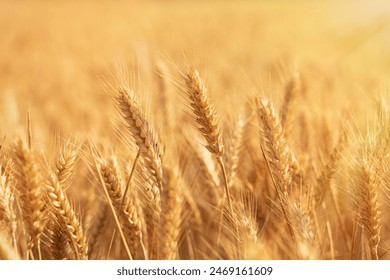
(194, 130)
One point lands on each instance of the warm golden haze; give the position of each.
(194, 130)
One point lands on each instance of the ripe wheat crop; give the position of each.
(257, 135)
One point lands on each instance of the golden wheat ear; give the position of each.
(150, 166)
(171, 216)
(234, 145)
(368, 206)
(30, 190)
(277, 156)
(100, 224)
(206, 119)
(65, 164)
(67, 217)
(204, 114)
(274, 145)
(57, 240)
(288, 109)
(211, 130)
(141, 133)
(7, 200)
(125, 209)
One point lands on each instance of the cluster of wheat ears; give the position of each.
(242, 190)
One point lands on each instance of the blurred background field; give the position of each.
(54, 54)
